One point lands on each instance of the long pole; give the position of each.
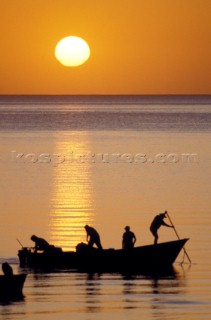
(178, 236)
(19, 242)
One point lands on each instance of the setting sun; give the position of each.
(137, 47)
(72, 51)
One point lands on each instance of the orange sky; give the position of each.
(137, 46)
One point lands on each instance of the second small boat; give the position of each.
(11, 287)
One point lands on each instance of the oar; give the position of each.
(177, 236)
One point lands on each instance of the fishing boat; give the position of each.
(11, 287)
(90, 259)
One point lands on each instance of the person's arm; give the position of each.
(134, 239)
(167, 225)
(36, 247)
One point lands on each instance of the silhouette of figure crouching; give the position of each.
(40, 244)
(93, 237)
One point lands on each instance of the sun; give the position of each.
(72, 51)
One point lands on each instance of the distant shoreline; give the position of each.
(105, 99)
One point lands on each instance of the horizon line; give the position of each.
(106, 99)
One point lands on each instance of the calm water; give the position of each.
(107, 165)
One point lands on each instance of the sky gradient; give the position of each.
(137, 46)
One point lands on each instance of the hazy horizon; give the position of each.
(102, 98)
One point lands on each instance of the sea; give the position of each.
(109, 162)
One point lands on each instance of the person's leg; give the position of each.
(155, 234)
(91, 243)
(156, 237)
(98, 244)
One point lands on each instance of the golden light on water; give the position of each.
(72, 51)
(72, 205)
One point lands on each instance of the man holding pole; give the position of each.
(157, 223)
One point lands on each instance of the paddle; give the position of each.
(177, 236)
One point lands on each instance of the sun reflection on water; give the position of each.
(72, 198)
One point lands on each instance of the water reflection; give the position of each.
(164, 293)
(65, 293)
(7, 310)
(93, 292)
(158, 287)
(71, 203)
(8, 302)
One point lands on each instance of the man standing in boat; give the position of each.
(128, 239)
(40, 244)
(93, 237)
(157, 223)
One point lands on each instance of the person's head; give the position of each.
(7, 269)
(33, 238)
(86, 227)
(163, 215)
(127, 228)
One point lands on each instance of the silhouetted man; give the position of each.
(156, 224)
(93, 237)
(128, 239)
(40, 243)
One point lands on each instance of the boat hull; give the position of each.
(91, 259)
(11, 287)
